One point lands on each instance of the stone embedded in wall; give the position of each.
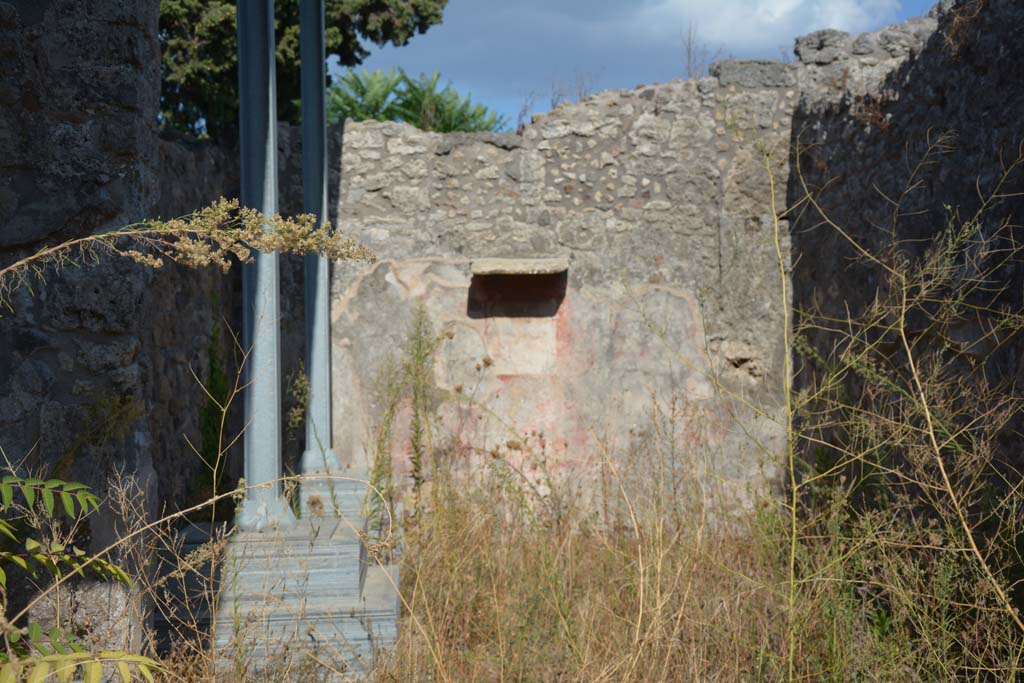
(825, 47)
(507, 266)
(753, 74)
(108, 614)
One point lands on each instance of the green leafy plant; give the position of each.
(65, 665)
(395, 96)
(298, 397)
(212, 448)
(22, 496)
(404, 381)
(443, 110)
(420, 347)
(199, 44)
(27, 651)
(364, 96)
(381, 495)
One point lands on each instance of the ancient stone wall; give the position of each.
(96, 362)
(906, 131)
(659, 200)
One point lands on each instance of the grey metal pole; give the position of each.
(318, 458)
(262, 508)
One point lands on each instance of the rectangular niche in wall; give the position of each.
(517, 288)
(517, 301)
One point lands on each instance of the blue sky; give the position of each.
(506, 51)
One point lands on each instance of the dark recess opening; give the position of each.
(516, 295)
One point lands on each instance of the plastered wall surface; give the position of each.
(659, 200)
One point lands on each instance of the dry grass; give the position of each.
(500, 586)
(510, 588)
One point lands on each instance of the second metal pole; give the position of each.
(318, 458)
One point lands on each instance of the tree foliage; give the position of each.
(444, 110)
(364, 96)
(395, 96)
(199, 71)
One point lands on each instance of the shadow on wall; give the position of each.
(516, 295)
(915, 153)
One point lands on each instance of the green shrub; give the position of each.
(395, 96)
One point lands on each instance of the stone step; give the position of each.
(288, 597)
(305, 592)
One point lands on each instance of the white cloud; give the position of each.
(500, 50)
(744, 27)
